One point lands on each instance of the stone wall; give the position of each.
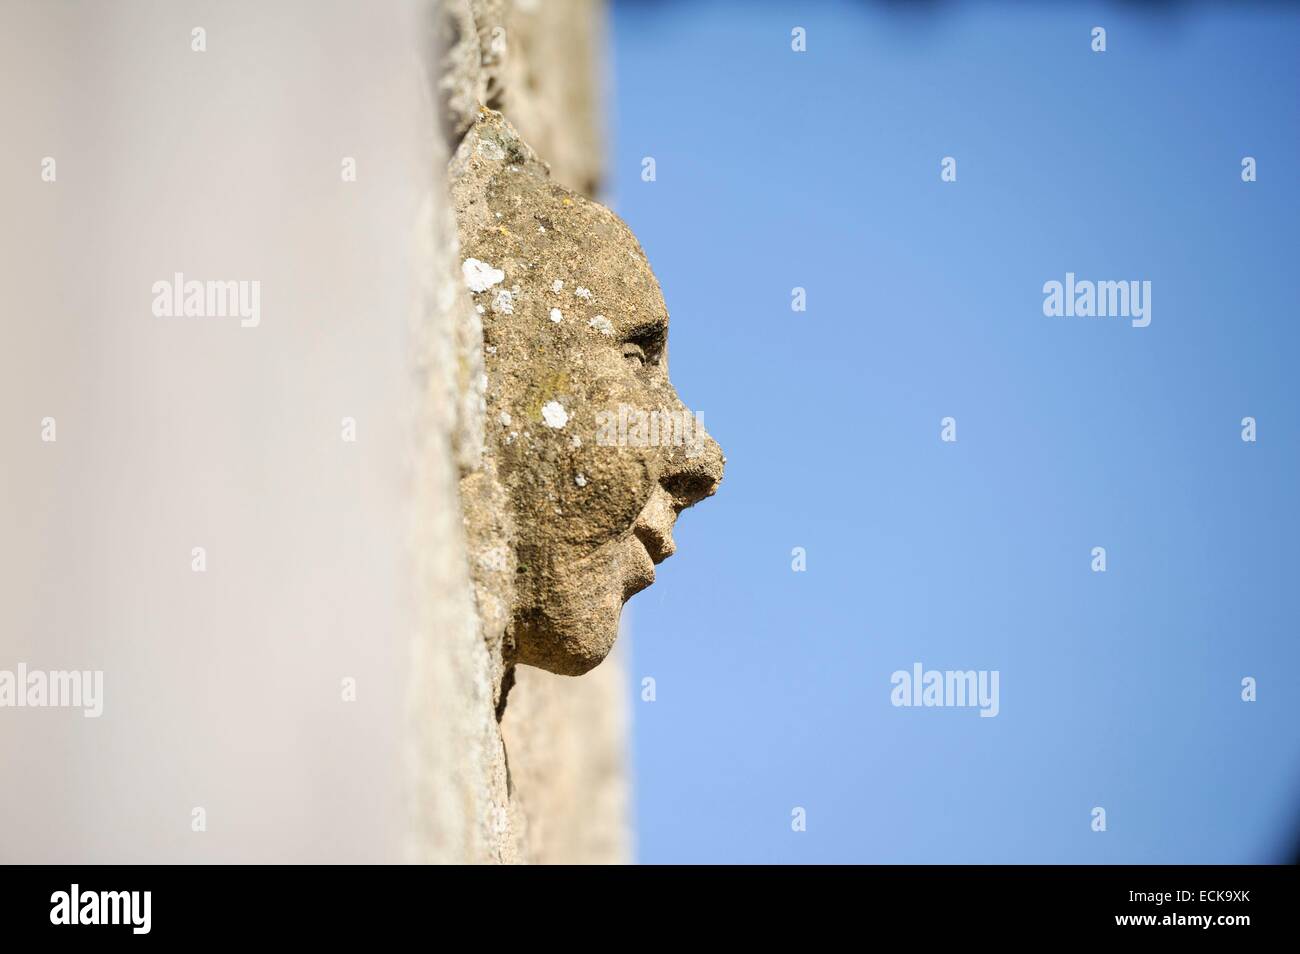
(554, 784)
(254, 527)
(228, 520)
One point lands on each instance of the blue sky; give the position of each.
(821, 169)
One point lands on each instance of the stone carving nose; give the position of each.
(694, 471)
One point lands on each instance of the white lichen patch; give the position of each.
(505, 419)
(480, 276)
(491, 150)
(602, 324)
(493, 559)
(504, 303)
(554, 415)
(557, 285)
(584, 293)
(577, 441)
(557, 316)
(580, 480)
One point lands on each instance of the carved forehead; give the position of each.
(540, 233)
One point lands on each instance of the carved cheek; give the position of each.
(617, 482)
(592, 475)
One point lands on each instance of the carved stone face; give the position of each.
(593, 449)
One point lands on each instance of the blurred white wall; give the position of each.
(222, 689)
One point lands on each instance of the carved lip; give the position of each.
(651, 541)
(658, 546)
(654, 527)
(643, 573)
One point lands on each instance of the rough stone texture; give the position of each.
(566, 737)
(329, 561)
(575, 332)
(564, 528)
(336, 563)
(561, 529)
(459, 804)
(537, 62)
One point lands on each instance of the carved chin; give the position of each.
(576, 628)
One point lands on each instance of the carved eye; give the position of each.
(646, 346)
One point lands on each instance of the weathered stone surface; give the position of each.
(574, 329)
(539, 64)
(552, 78)
(566, 741)
(461, 86)
(559, 527)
